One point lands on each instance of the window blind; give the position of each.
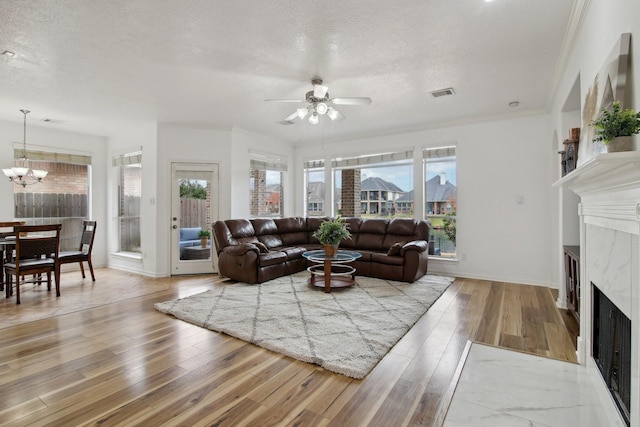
(127, 159)
(371, 159)
(438, 152)
(78, 159)
(268, 162)
(314, 164)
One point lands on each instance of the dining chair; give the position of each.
(84, 252)
(37, 248)
(6, 246)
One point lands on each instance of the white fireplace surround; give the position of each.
(609, 213)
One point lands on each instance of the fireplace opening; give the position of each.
(612, 349)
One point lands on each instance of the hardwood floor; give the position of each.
(101, 355)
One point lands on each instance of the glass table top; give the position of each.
(340, 256)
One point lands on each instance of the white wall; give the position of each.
(498, 162)
(46, 139)
(602, 25)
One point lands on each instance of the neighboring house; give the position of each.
(442, 197)
(315, 198)
(377, 196)
(273, 199)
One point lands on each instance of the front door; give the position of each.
(194, 209)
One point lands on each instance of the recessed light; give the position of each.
(9, 54)
(514, 104)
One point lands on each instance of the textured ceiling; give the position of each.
(101, 65)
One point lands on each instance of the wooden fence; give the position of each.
(193, 213)
(51, 208)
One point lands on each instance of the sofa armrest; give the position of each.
(241, 249)
(415, 245)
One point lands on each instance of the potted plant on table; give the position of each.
(204, 236)
(615, 128)
(331, 233)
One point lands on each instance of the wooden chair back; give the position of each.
(37, 241)
(6, 227)
(88, 234)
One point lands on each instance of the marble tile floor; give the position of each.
(499, 387)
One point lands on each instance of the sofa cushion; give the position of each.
(385, 259)
(272, 258)
(292, 231)
(371, 235)
(293, 252)
(189, 233)
(402, 229)
(267, 232)
(241, 230)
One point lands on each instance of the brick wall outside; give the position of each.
(258, 193)
(351, 193)
(62, 178)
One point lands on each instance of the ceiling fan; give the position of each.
(319, 103)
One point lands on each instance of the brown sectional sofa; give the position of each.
(286, 239)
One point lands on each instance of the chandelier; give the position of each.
(22, 174)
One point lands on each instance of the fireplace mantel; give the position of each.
(608, 186)
(604, 173)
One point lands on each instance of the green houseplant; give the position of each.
(204, 236)
(615, 123)
(331, 233)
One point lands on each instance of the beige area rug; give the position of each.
(347, 331)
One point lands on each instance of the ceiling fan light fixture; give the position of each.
(332, 113)
(321, 108)
(302, 112)
(313, 119)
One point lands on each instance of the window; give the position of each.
(373, 185)
(441, 199)
(129, 169)
(266, 185)
(314, 184)
(61, 198)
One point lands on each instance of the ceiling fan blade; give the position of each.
(291, 117)
(352, 101)
(285, 100)
(319, 91)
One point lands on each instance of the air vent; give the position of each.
(54, 121)
(442, 92)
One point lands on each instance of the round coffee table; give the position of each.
(331, 271)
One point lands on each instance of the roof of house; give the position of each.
(374, 183)
(435, 191)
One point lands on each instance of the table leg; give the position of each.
(327, 276)
(2, 268)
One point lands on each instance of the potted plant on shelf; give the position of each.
(615, 128)
(204, 236)
(331, 233)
